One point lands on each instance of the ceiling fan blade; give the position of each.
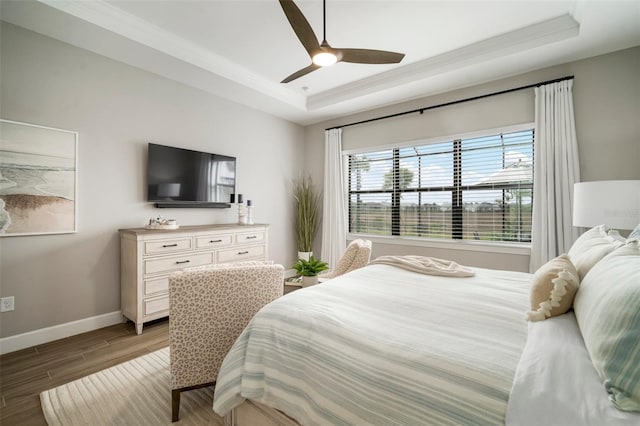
(300, 26)
(369, 56)
(300, 73)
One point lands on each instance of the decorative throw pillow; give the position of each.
(635, 234)
(553, 288)
(592, 246)
(607, 308)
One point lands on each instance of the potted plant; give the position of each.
(309, 269)
(307, 221)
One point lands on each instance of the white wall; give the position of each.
(117, 110)
(607, 111)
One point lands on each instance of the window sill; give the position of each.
(522, 249)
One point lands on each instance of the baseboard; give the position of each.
(49, 334)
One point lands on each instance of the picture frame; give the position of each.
(38, 180)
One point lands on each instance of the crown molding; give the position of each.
(111, 18)
(530, 37)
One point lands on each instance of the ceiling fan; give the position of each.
(322, 54)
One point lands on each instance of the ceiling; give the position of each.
(242, 49)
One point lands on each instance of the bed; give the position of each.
(387, 346)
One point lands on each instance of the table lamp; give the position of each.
(615, 203)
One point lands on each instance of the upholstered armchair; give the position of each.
(356, 255)
(208, 309)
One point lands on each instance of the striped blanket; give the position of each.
(384, 346)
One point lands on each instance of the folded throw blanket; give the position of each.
(426, 265)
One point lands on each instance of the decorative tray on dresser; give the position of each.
(149, 256)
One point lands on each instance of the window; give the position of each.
(479, 188)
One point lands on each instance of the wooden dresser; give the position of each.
(148, 257)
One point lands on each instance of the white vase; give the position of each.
(309, 281)
(305, 255)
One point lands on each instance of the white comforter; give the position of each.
(384, 346)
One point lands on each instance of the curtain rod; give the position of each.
(459, 101)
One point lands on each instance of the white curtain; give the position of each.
(334, 211)
(556, 169)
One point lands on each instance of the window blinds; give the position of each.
(478, 188)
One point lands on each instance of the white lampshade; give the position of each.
(615, 203)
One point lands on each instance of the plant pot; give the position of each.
(309, 281)
(305, 255)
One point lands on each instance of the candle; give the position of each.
(249, 203)
(239, 198)
(233, 198)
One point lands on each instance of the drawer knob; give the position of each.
(251, 237)
(170, 245)
(243, 252)
(215, 241)
(182, 261)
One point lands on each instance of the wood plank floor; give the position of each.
(26, 373)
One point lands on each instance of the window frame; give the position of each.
(515, 247)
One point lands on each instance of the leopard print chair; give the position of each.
(208, 309)
(356, 255)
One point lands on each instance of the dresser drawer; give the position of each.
(241, 253)
(167, 246)
(156, 285)
(212, 241)
(250, 237)
(176, 263)
(153, 306)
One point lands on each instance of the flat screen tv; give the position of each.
(178, 177)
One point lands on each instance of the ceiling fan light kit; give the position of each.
(324, 59)
(323, 55)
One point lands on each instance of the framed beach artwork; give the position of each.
(38, 179)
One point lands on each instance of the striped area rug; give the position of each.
(136, 392)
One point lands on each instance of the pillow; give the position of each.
(553, 287)
(635, 234)
(607, 307)
(592, 246)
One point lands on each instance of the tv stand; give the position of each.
(193, 205)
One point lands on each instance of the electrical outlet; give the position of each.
(6, 304)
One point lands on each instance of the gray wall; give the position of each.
(117, 110)
(607, 111)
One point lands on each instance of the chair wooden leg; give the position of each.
(175, 404)
(175, 398)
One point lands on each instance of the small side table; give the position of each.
(292, 284)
